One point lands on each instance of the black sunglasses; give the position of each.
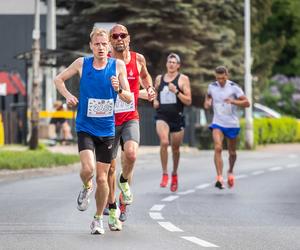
(115, 36)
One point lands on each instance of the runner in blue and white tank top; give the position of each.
(101, 80)
(225, 96)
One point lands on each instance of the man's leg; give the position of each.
(101, 196)
(218, 138)
(163, 130)
(176, 140)
(86, 175)
(232, 158)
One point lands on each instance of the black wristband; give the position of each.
(120, 91)
(177, 92)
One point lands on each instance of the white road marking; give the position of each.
(202, 186)
(258, 172)
(198, 241)
(293, 156)
(169, 226)
(156, 216)
(157, 207)
(275, 169)
(292, 165)
(170, 198)
(241, 176)
(187, 192)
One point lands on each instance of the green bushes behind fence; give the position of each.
(266, 131)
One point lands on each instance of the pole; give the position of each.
(248, 80)
(35, 100)
(50, 44)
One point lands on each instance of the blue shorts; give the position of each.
(230, 133)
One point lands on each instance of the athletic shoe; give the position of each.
(230, 180)
(113, 220)
(97, 226)
(126, 193)
(122, 207)
(219, 185)
(174, 183)
(83, 198)
(164, 180)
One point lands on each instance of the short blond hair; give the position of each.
(98, 32)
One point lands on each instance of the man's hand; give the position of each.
(229, 101)
(151, 93)
(115, 83)
(173, 88)
(71, 100)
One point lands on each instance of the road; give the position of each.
(262, 211)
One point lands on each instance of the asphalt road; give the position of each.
(262, 211)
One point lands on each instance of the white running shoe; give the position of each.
(97, 226)
(83, 198)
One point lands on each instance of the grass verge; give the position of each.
(15, 160)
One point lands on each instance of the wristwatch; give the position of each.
(177, 92)
(120, 91)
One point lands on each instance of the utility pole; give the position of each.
(35, 99)
(50, 44)
(248, 79)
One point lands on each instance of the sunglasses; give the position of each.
(115, 36)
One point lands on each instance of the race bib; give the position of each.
(223, 108)
(100, 107)
(122, 106)
(167, 97)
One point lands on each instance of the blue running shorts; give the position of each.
(230, 133)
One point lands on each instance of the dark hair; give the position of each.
(221, 70)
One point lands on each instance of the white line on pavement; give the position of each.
(275, 169)
(156, 216)
(170, 198)
(241, 176)
(198, 241)
(169, 226)
(292, 165)
(187, 192)
(258, 172)
(157, 207)
(202, 186)
(293, 156)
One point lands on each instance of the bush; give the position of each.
(266, 131)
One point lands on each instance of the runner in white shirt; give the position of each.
(225, 96)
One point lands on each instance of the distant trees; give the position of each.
(205, 33)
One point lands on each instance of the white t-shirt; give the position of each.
(225, 115)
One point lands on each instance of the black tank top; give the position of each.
(169, 104)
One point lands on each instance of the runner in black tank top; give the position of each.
(171, 108)
(173, 93)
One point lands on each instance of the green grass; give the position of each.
(25, 159)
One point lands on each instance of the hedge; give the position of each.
(266, 131)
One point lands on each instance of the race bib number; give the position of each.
(100, 107)
(122, 106)
(223, 108)
(167, 97)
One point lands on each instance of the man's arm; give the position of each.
(156, 86)
(242, 101)
(146, 80)
(207, 101)
(184, 95)
(73, 69)
(122, 82)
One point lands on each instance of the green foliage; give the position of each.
(34, 159)
(266, 131)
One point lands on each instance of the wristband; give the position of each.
(177, 92)
(120, 91)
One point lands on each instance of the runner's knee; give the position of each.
(218, 148)
(164, 143)
(101, 180)
(131, 155)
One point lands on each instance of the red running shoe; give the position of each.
(164, 180)
(230, 180)
(122, 207)
(174, 183)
